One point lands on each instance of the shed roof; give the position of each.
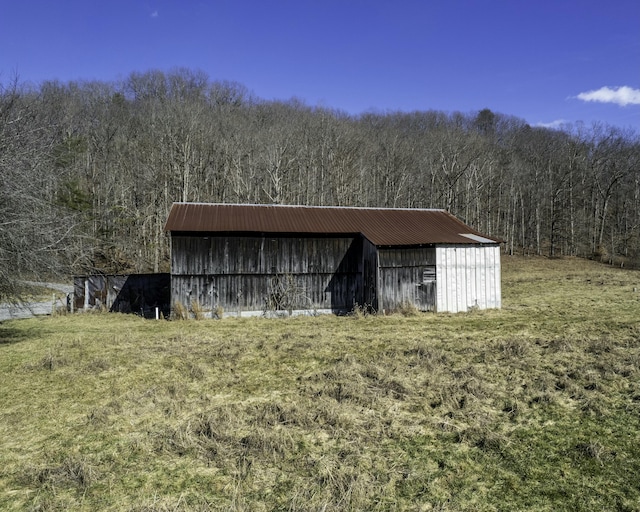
(381, 226)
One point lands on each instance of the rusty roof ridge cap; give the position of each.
(274, 205)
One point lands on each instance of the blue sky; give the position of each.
(545, 61)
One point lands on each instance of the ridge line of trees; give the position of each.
(89, 170)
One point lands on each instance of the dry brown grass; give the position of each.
(533, 407)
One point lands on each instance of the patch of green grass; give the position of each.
(532, 407)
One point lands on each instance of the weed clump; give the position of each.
(179, 311)
(407, 309)
(74, 471)
(361, 310)
(51, 361)
(197, 310)
(217, 313)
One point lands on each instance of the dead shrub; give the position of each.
(286, 294)
(179, 311)
(197, 310)
(49, 361)
(361, 310)
(407, 309)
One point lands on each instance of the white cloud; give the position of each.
(622, 96)
(155, 14)
(558, 123)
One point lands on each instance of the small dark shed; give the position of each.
(248, 259)
(140, 294)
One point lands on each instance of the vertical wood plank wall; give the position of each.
(468, 277)
(237, 273)
(369, 275)
(401, 273)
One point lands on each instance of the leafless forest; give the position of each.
(89, 170)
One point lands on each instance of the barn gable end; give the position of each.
(251, 259)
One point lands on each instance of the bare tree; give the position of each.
(35, 229)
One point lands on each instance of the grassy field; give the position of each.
(532, 407)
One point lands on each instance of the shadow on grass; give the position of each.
(10, 334)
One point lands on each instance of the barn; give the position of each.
(256, 259)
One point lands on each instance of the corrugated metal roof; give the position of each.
(382, 226)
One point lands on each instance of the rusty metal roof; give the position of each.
(381, 226)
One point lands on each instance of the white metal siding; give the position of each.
(467, 277)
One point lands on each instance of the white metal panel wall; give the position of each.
(468, 277)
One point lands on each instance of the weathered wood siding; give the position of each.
(468, 277)
(370, 296)
(405, 277)
(240, 273)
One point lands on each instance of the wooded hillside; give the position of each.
(89, 170)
